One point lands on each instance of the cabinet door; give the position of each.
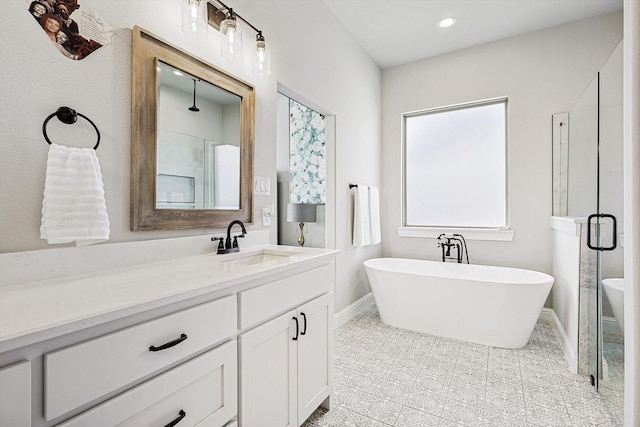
(268, 374)
(15, 395)
(314, 354)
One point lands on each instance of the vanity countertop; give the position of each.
(37, 311)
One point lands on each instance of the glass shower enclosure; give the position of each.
(589, 186)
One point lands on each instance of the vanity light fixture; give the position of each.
(231, 40)
(261, 57)
(226, 20)
(194, 18)
(446, 22)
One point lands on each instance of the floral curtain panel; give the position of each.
(307, 155)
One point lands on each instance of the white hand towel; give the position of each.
(374, 215)
(361, 227)
(73, 207)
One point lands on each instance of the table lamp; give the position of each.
(301, 213)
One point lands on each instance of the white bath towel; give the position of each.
(374, 215)
(361, 226)
(73, 207)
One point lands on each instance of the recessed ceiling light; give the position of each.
(446, 22)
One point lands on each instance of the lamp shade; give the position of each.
(261, 57)
(194, 18)
(300, 212)
(231, 40)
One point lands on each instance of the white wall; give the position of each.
(311, 53)
(631, 121)
(542, 73)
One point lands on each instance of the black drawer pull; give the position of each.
(177, 420)
(169, 344)
(297, 329)
(304, 330)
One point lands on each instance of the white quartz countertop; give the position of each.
(37, 311)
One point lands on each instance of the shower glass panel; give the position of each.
(610, 262)
(595, 191)
(582, 197)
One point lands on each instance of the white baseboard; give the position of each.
(570, 354)
(351, 311)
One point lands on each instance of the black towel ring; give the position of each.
(69, 116)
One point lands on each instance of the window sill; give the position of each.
(496, 234)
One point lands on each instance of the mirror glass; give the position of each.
(192, 136)
(198, 147)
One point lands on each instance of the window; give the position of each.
(455, 166)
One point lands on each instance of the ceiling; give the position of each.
(395, 32)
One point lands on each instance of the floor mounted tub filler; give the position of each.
(494, 306)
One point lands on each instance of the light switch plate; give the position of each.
(261, 186)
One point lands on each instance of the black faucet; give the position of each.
(457, 242)
(228, 245)
(446, 243)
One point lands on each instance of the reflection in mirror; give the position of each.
(192, 132)
(198, 147)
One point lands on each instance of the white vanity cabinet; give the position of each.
(285, 363)
(249, 346)
(15, 395)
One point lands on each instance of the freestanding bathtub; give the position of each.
(494, 306)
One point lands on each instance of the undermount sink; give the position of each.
(264, 255)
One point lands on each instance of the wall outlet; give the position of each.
(266, 215)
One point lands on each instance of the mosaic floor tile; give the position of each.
(384, 376)
(340, 417)
(541, 416)
(431, 403)
(410, 417)
(463, 413)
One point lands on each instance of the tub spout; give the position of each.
(456, 242)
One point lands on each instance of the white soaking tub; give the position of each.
(614, 288)
(495, 306)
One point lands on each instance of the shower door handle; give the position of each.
(615, 232)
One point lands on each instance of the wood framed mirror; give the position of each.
(191, 140)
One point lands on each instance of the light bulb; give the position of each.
(261, 58)
(446, 22)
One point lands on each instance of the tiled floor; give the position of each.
(612, 386)
(391, 377)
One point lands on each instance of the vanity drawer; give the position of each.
(79, 374)
(203, 389)
(263, 302)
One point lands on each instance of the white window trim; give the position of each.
(502, 234)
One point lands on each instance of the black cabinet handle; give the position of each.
(304, 329)
(177, 420)
(169, 344)
(297, 329)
